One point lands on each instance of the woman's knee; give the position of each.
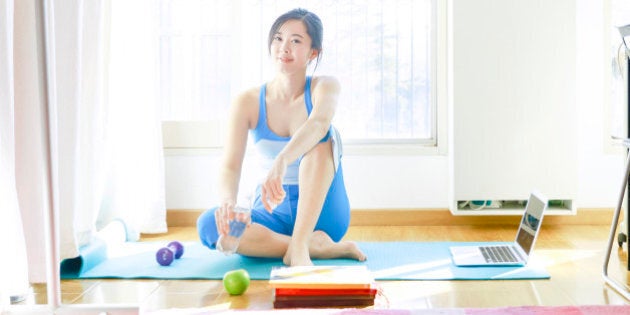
(207, 228)
(320, 154)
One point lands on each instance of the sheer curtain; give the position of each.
(135, 188)
(110, 159)
(14, 267)
(107, 150)
(79, 140)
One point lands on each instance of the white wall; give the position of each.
(515, 129)
(421, 181)
(373, 182)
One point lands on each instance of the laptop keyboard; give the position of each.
(498, 254)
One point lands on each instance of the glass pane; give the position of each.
(194, 60)
(381, 51)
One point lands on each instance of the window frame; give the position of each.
(191, 137)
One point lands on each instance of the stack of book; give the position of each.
(322, 286)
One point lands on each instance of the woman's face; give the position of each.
(291, 47)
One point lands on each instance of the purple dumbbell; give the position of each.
(166, 255)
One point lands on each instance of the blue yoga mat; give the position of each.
(387, 261)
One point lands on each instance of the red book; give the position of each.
(371, 291)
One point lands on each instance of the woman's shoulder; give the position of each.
(248, 96)
(325, 83)
(245, 106)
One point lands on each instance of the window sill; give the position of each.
(348, 150)
(205, 138)
(391, 149)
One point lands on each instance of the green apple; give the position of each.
(236, 282)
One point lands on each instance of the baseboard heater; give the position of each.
(556, 206)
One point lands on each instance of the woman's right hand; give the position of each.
(271, 191)
(222, 216)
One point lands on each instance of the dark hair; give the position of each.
(313, 25)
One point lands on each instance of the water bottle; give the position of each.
(240, 218)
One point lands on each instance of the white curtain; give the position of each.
(77, 136)
(136, 188)
(109, 145)
(107, 149)
(13, 274)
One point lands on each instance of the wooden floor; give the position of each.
(573, 255)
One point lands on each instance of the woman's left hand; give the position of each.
(272, 192)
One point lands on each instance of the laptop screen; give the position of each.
(530, 223)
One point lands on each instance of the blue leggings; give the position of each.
(333, 220)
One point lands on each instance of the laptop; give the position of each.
(516, 254)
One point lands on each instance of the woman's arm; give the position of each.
(241, 117)
(325, 92)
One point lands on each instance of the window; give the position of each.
(382, 52)
(620, 16)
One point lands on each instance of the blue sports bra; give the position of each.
(269, 144)
(262, 130)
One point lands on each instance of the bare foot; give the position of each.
(323, 247)
(297, 255)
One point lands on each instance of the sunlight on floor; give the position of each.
(553, 257)
(433, 269)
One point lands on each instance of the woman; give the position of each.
(301, 209)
